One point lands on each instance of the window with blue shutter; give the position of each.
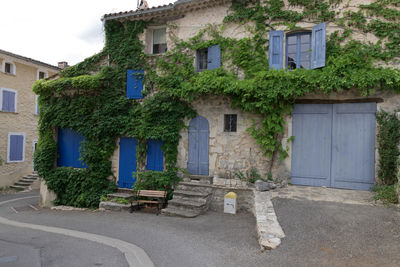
(213, 57)
(69, 146)
(16, 144)
(276, 49)
(303, 49)
(318, 46)
(208, 58)
(8, 100)
(155, 155)
(134, 84)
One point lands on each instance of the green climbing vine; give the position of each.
(90, 96)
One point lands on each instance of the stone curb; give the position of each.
(268, 228)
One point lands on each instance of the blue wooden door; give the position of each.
(154, 155)
(127, 162)
(198, 146)
(334, 145)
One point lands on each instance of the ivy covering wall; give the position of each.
(90, 98)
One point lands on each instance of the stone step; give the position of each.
(28, 177)
(113, 206)
(187, 204)
(120, 195)
(171, 211)
(188, 193)
(19, 187)
(197, 187)
(202, 179)
(22, 183)
(27, 180)
(190, 198)
(125, 190)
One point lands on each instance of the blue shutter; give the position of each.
(16, 147)
(37, 105)
(154, 155)
(134, 83)
(276, 49)
(318, 46)
(8, 103)
(5, 105)
(69, 143)
(214, 57)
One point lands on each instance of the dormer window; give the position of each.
(159, 41)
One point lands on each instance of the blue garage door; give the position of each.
(334, 145)
(69, 143)
(127, 162)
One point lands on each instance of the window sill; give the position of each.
(11, 74)
(12, 112)
(12, 162)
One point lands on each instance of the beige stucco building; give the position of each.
(19, 114)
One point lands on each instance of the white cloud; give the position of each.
(52, 31)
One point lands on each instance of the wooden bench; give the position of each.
(154, 197)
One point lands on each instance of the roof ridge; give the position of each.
(29, 59)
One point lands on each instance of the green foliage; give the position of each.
(1, 161)
(156, 180)
(252, 175)
(385, 193)
(96, 107)
(388, 142)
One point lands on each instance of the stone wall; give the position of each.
(24, 120)
(229, 152)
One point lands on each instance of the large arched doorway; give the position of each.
(199, 132)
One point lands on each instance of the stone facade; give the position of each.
(231, 152)
(25, 119)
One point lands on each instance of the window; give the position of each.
(209, 58)
(298, 51)
(41, 74)
(230, 122)
(303, 49)
(16, 147)
(159, 41)
(69, 147)
(134, 84)
(8, 67)
(202, 59)
(8, 99)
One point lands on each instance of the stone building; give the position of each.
(342, 155)
(334, 134)
(19, 114)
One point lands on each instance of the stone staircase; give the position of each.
(25, 182)
(191, 197)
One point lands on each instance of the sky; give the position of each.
(58, 30)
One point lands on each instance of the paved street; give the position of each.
(317, 234)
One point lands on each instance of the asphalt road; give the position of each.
(317, 234)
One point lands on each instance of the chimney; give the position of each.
(63, 64)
